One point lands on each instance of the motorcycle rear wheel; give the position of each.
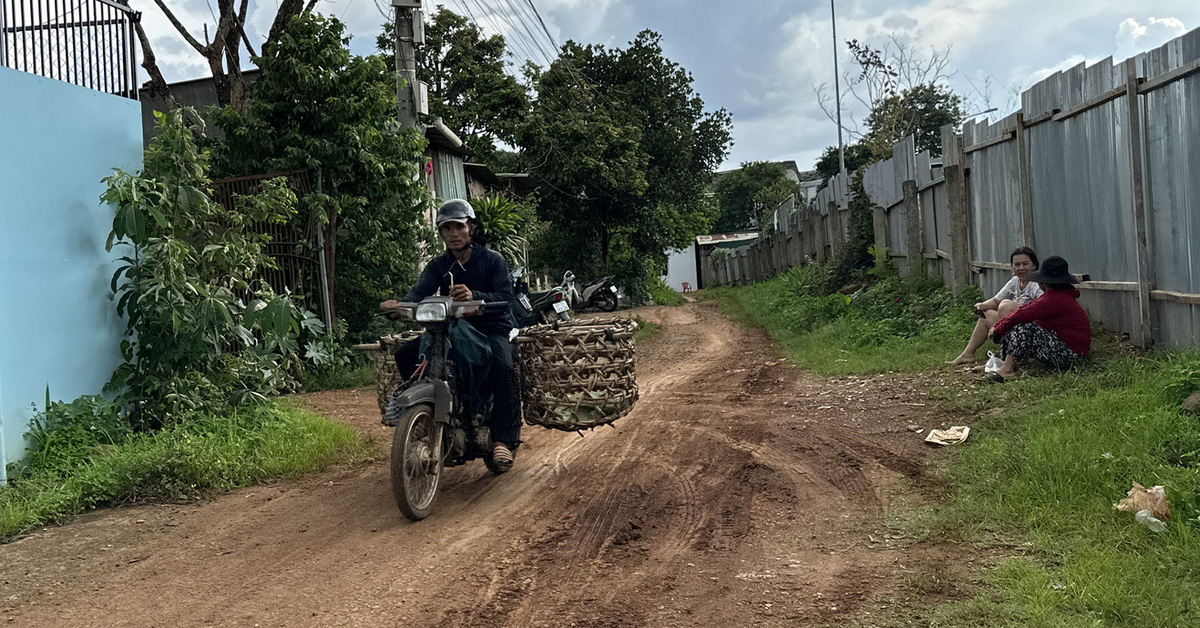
(416, 468)
(607, 301)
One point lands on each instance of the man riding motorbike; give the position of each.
(471, 271)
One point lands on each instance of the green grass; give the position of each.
(336, 379)
(207, 455)
(664, 294)
(1045, 474)
(891, 326)
(644, 330)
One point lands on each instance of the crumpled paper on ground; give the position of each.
(951, 436)
(1153, 499)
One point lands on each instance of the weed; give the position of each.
(662, 293)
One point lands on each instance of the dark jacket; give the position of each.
(485, 273)
(1057, 311)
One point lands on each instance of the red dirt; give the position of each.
(740, 491)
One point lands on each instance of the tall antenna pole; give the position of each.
(837, 93)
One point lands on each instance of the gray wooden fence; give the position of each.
(1101, 165)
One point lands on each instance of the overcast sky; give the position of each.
(763, 59)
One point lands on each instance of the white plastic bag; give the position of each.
(993, 363)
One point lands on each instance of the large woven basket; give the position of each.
(577, 375)
(387, 376)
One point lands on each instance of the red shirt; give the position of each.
(1057, 311)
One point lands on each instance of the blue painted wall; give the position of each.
(58, 325)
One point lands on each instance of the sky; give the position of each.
(766, 60)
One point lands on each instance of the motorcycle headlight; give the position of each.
(431, 312)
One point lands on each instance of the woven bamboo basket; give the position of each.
(387, 376)
(577, 375)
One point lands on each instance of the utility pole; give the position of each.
(837, 92)
(410, 31)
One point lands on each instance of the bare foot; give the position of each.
(962, 360)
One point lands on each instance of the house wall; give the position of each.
(681, 267)
(58, 325)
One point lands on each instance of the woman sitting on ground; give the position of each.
(1017, 292)
(1054, 328)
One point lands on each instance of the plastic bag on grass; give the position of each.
(993, 363)
(1149, 506)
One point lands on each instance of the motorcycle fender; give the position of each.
(433, 392)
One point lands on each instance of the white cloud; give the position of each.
(1134, 37)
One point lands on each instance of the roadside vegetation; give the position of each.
(1049, 454)
(85, 454)
(887, 324)
(662, 294)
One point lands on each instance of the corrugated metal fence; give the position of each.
(1101, 166)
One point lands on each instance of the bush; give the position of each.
(664, 294)
(86, 458)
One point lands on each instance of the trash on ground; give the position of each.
(952, 435)
(1150, 521)
(1153, 500)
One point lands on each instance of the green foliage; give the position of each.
(92, 460)
(338, 378)
(920, 111)
(892, 325)
(857, 155)
(644, 330)
(317, 106)
(749, 194)
(855, 255)
(506, 225)
(625, 149)
(469, 87)
(662, 293)
(203, 330)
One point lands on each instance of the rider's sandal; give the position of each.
(501, 454)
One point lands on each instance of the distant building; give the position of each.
(687, 265)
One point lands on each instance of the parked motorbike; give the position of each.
(436, 426)
(601, 294)
(532, 308)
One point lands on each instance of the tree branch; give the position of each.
(158, 84)
(179, 27)
(287, 10)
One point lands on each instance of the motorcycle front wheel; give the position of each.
(416, 463)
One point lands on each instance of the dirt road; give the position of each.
(740, 491)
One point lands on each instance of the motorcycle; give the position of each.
(435, 425)
(601, 294)
(532, 308)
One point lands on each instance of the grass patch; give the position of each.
(1045, 473)
(351, 376)
(80, 463)
(644, 330)
(664, 294)
(892, 325)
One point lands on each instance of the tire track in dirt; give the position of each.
(738, 491)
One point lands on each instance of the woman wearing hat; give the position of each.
(1054, 329)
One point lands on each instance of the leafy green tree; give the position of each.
(317, 106)
(740, 195)
(506, 226)
(624, 150)
(920, 111)
(856, 155)
(469, 88)
(203, 329)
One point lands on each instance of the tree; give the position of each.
(203, 329)
(902, 90)
(469, 88)
(856, 155)
(738, 195)
(624, 150)
(920, 111)
(223, 52)
(317, 106)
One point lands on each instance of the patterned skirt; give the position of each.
(1030, 340)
